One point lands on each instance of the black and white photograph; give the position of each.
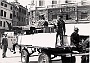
(44, 31)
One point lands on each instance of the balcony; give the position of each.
(62, 5)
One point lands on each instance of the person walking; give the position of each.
(4, 45)
(14, 45)
(60, 29)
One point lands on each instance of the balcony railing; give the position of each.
(61, 5)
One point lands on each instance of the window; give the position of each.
(41, 2)
(14, 14)
(84, 15)
(5, 5)
(19, 9)
(10, 15)
(0, 23)
(19, 18)
(22, 19)
(54, 2)
(28, 13)
(1, 12)
(41, 17)
(67, 17)
(4, 24)
(23, 11)
(32, 2)
(1, 4)
(54, 16)
(17, 14)
(4, 14)
(11, 7)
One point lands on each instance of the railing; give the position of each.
(61, 5)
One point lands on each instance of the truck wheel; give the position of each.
(24, 56)
(44, 58)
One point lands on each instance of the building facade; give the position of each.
(6, 12)
(20, 14)
(73, 11)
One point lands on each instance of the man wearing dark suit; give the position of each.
(60, 29)
(4, 45)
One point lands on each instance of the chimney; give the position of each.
(66, 1)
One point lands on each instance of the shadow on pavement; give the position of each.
(52, 61)
(13, 56)
(33, 62)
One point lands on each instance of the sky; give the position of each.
(26, 2)
(22, 2)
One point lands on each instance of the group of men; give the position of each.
(60, 28)
(75, 39)
(61, 32)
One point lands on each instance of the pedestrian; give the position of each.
(46, 29)
(4, 45)
(60, 29)
(14, 45)
(45, 24)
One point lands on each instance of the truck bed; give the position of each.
(49, 39)
(41, 40)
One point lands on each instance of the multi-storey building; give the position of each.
(19, 14)
(6, 12)
(49, 10)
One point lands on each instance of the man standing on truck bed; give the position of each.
(60, 29)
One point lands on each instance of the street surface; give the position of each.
(11, 58)
(15, 58)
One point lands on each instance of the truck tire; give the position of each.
(24, 56)
(44, 58)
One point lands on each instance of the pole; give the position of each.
(76, 13)
(36, 12)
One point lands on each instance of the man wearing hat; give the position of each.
(60, 29)
(4, 45)
(75, 37)
(75, 41)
